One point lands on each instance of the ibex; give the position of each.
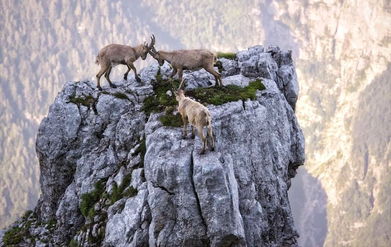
(187, 59)
(198, 116)
(114, 54)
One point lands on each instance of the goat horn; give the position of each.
(151, 45)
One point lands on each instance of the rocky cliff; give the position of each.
(114, 173)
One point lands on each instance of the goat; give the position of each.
(114, 54)
(198, 116)
(187, 59)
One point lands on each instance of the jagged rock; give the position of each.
(112, 175)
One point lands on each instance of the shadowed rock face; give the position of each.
(113, 176)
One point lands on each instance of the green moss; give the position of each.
(88, 200)
(171, 120)
(121, 95)
(86, 101)
(227, 55)
(219, 96)
(73, 243)
(161, 101)
(14, 235)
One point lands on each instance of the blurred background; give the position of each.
(342, 52)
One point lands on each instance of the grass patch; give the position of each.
(219, 96)
(120, 95)
(162, 101)
(169, 119)
(86, 101)
(123, 190)
(227, 55)
(14, 235)
(88, 200)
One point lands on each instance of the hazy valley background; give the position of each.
(342, 49)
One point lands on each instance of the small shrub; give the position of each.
(123, 190)
(227, 55)
(88, 200)
(130, 192)
(14, 235)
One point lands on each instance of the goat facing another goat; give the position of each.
(114, 54)
(198, 116)
(187, 59)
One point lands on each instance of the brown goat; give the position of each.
(114, 54)
(198, 116)
(187, 59)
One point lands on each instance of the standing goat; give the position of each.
(114, 54)
(187, 59)
(198, 116)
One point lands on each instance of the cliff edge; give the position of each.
(115, 170)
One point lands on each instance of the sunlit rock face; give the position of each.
(341, 48)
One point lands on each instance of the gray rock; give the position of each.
(233, 196)
(229, 66)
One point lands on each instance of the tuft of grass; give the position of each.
(227, 55)
(141, 149)
(73, 243)
(160, 100)
(14, 235)
(86, 101)
(120, 95)
(51, 223)
(219, 96)
(88, 200)
(171, 120)
(123, 190)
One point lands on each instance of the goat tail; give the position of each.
(97, 60)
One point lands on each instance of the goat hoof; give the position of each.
(113, 86)
(202, 152)
(99, 88)
(184, 137)
(125, 78)
(192, 136)
(212, 149)
(138, 79)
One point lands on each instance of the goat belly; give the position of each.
(115, 63)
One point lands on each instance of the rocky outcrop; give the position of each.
(113, 175)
